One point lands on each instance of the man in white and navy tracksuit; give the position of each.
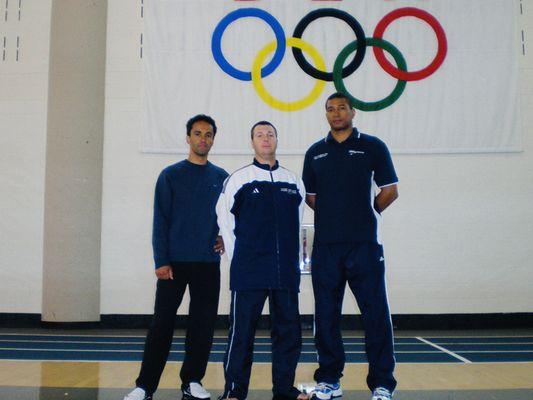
(259, 213)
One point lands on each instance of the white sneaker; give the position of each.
(380, 393)
(195, 391)
(137, 394)
(327, 391)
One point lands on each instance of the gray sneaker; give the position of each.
(327, 391)
(380, 393)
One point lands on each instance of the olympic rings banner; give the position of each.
(426, 77)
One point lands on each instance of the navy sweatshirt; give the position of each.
(185, 225)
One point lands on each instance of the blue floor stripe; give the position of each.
(483, 339)
(488, 347)
(498, 357)
(176, 347)
(139, 339)
(216, 357)
(129, 348)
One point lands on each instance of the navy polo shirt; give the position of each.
(344, 177)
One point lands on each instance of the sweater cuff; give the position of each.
(160, 262)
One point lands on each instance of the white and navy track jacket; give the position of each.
(259, 213)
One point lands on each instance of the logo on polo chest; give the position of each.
(255, 191)
(355, 152)
(319, 156)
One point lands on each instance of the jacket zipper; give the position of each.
(276, 227)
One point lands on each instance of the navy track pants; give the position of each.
(362, 266)
(246, 307)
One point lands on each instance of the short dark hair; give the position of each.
(339, 95)
(204, 118)
(262, 123)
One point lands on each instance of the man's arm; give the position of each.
(161, 224)
(308, 177)
(310, 200)
(301, 190)
(225, 218)
(385, 197)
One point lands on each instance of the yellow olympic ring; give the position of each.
(271, 100)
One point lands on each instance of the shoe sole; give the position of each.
(335, 395)
(191, 397)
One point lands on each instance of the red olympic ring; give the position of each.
(433, 23)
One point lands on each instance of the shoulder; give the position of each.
(218, 171)
(290, 176)
(316, 147)
(173, 169)
(373, 143)
(372, 140)
(239, 176)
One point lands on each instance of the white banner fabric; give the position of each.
(470, 103)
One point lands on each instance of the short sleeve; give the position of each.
(308, 174)
(384, 173)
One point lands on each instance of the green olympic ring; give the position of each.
(376, 105)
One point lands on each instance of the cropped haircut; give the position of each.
(338, 95)
(262, 123)
(198, 118)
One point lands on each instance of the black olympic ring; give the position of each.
(352, 23)
(359, 46)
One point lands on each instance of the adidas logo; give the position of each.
(256, 190)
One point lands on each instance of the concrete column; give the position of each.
(74, 154)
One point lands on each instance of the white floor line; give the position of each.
(76, 350)
(451, 353)
(261, 336)
(178, 343)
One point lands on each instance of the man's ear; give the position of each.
(188, 138)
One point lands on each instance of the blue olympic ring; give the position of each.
(216, 42)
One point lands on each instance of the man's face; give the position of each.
(264, 141)
(339, 114)
(201, 138)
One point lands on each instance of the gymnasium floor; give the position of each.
(95, 364)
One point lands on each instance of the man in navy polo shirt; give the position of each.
(186, 252)
(342, 174)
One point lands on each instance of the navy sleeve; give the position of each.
(384, 173)
(162, 215)
(308, 175)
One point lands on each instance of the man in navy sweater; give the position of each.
(350, 180)
(187, 251)
(259, 214)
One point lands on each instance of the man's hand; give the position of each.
(164, 272)
(310, 199)
(385, 197)
(219, 245)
